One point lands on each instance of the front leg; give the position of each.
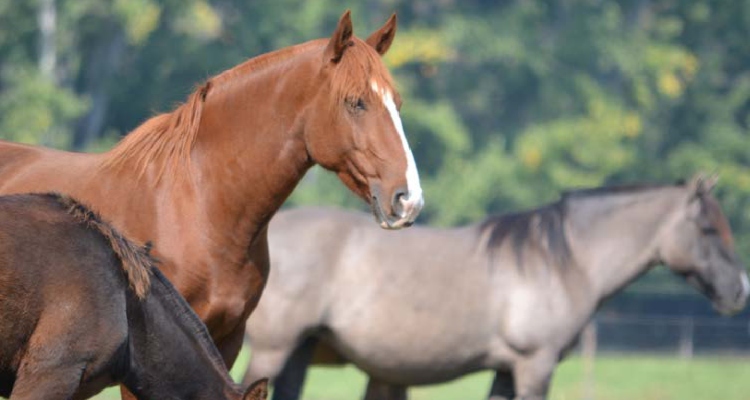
(379, 390)
(502, 386)
(230, 345)
(257, 267)
(533, 374)
(125, 394)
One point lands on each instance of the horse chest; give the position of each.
(529, 322)
(224, 299)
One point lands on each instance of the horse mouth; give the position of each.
(731, 306)
(723, 304)
(386, 222)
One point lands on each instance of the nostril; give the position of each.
(399, 196)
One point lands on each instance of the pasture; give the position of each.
(616, 377)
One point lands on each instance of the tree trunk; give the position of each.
(101, 64)
(47, 20)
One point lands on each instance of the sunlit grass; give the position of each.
(615, 377)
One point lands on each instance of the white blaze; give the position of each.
(414, 200)
(745, 285)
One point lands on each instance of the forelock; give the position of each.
(356, 72)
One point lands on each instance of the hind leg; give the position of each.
(502, 386)
(379, 390)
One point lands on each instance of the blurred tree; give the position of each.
(506, 103)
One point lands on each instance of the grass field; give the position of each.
(615, 378)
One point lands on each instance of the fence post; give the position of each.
(588, 351)
(686, 338)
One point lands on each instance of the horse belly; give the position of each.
(410, 371)
(411, 357)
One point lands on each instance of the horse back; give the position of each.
(25, 168)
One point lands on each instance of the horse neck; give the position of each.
(613, 237)
(171, 352)
(250, 151)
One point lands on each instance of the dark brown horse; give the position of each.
(203, 181)
(81, 308)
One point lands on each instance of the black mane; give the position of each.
(542, 229)
(136, 260)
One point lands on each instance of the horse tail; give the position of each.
(136, 260)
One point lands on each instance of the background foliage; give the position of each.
(506, 103)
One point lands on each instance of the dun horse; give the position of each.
(83, 308)
(203, 181)
(510, 294)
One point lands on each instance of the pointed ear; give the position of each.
(701, 184)
(341, 38)
(258, 390)
(382, 38)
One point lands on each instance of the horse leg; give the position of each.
(47, 381)
(230, 346)
(533, 375)
(289, 382)
(502, 386)
(125, 394)
(268, 363)
(379, 390)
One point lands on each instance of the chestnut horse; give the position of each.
(203, 181)
(82, 307)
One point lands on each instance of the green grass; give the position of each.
(616, 377)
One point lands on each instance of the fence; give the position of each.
(663, 335)
(685, 336)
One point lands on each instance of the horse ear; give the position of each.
(382, 38)
(258, 390)
(702, 184)
(341, 38)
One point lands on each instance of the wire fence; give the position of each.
(684, 336)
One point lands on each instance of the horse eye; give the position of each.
(356, 104)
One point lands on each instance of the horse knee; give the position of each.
(264, 364)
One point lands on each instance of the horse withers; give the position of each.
(511, 293)
(202, 181)
(82, 308)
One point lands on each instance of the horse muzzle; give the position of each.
(738, 302)
(731, 302)
(403, 208)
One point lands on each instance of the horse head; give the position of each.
(698, 245)
(353, 125)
